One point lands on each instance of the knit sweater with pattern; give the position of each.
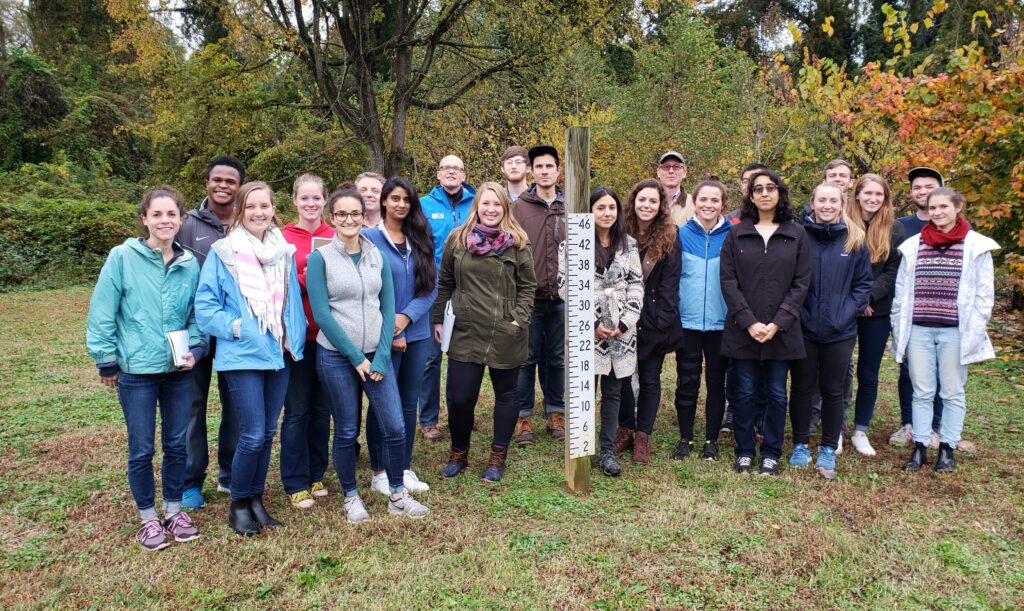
(936, 285)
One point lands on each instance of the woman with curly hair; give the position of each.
(659, 332)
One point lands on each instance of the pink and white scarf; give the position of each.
(263, 276)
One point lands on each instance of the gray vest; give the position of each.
(354, 293)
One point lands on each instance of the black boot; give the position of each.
(259, 512)
(240, 518)
(917, 458)
(946, 462)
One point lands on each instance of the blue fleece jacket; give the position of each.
(701, 304)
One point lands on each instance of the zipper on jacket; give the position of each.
(707, 247)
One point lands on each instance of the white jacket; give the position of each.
(974, 299)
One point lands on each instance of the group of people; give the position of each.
(361, 293)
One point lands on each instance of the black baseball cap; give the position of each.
(543, 149)
(925, 171)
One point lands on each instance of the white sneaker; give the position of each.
(934, 443)
(379, 483)
(413, 483)
(407, 506)
(839, 445)
(902, 436)
(862, 444)
(223, 488)
(355, 511)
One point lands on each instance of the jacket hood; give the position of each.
(530, 196)
(292, 228)
(825, 233)
(139, 245)
(721, 227)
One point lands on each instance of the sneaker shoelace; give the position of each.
(770, 463)
(179, 521)
(151, 529)
(744, 461)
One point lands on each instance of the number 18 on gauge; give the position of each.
(580, 391)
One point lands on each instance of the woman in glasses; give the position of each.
(352, 295)
(765, 273)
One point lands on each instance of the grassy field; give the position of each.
(675, 535)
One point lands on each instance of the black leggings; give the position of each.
(825, 366)
(462, 392)
(640, 413)
(700, 347)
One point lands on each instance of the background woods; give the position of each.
(99, 100)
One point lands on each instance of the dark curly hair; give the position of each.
(783, 210)
(662, 234)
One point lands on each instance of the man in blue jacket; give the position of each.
(203, 226)
(446, 207)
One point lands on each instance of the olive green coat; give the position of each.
(488, 293)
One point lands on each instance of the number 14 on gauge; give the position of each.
(580, 391)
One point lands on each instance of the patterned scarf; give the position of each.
(484, 239)
(263, 276)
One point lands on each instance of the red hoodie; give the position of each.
(302, 240)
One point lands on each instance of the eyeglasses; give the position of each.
(356, 215)
(769, 188)
(515, 162)
(451, 168)
(671, 167)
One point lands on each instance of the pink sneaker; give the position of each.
(180, 526)
(151, 536)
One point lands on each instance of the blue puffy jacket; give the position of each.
(701, 305)
(444, 217)
(840, 285)
(403, 272)
(219, 303)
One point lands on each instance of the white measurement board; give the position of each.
(579, 337)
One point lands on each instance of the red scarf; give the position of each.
(936, 239)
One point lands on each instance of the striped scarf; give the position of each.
(263, 276)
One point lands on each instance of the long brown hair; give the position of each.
(243, 194)
(662, 234)
(508, 222)
(879, 233)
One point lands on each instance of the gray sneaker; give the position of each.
(152, 536)
(355, 511)
(407, 506)
(902, 436)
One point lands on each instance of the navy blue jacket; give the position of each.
(840, 285)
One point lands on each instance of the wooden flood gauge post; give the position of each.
(580, 405)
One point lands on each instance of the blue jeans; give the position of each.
(306, 427)
(547, 338)
(408, 367)
(906, 392)
(341, 383)
(731, 386)
(872, 335)
(430, 391)
(745, 411)
(139, 396)
(197, 446)
(934, 352)
(258, 395)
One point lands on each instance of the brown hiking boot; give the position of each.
(641, 449)
(623, 440)
(432, 433)
(556, 425)
(495, 465)
(524, 431)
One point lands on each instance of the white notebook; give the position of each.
(178, 341)
(448, 326)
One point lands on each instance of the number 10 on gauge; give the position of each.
(579, 335)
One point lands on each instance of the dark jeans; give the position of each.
(430, 390)
(640, 412)
(611, 404)
(547, 337)
(258, 395)
(731, 386)
(139, 396)
(872, 335)
(700, 347)
(342, 384)
(408, 367)
(847, 398)
(824, 367)
(749, 374)
(306, 427)
(196, 445)
(462, 392)
(906, 392)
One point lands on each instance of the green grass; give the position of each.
(675, 535)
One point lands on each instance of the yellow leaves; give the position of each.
(913, 28)
(795, 32)
(980, 15)
(827, 26)
(928, 22)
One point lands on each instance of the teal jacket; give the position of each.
(137, 300)
(219, 303)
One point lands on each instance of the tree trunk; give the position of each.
(3, 42)
(1017, 298)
